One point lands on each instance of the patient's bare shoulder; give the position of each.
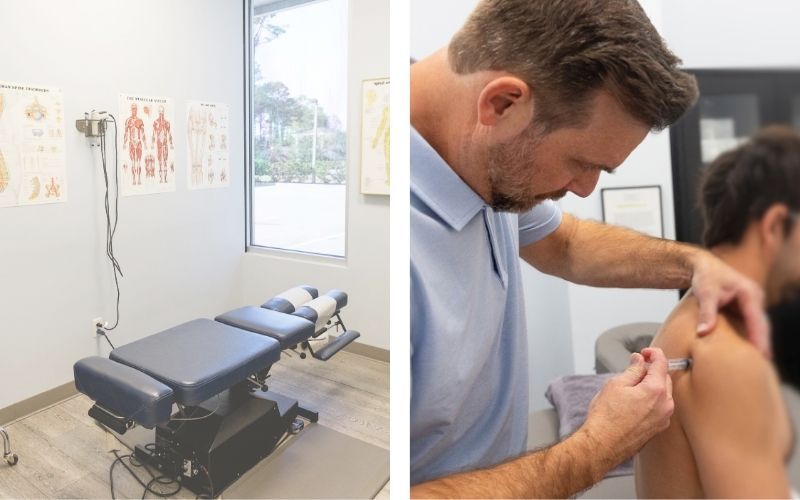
(677, 333)
(734, 418)
(730, 432)
(727, 368)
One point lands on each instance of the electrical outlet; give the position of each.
(96, 323)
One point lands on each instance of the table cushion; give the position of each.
(199, 359)
(289, 330)
(123, 390)
(289, 300)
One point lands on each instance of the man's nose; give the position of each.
(584, 184)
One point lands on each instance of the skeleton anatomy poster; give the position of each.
(146, 149)
(375, 137)
(32, 164)
(207, 140)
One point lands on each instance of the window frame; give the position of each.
(250, 247)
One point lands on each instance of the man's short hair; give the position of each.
(741, 184)
(565, 50)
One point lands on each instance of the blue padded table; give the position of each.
(287, 329)
(199, 359)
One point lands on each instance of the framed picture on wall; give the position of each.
(375, 136)
(637, 208)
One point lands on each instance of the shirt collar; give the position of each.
(439, 187)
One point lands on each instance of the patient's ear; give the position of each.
(506, 105)
(772, 227)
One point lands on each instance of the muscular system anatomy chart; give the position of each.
(207, 141)
(146, 145)
(32, 163)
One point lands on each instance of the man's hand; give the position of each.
(631, 408)
(717, 285)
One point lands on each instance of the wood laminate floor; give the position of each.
(63, 453)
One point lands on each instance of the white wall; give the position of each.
(434, 23)
(364, 274)
(734, 34)
(181, 251)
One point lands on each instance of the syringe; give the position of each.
(679, 364)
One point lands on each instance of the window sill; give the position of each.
(292, 255)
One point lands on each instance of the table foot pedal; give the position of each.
(116, 423)
(310, 415)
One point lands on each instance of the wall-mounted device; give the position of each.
(93, 124)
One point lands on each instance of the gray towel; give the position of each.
(571, 396)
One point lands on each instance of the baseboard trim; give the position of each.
(37, 403)
(369, 351)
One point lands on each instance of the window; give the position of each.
(298, 130)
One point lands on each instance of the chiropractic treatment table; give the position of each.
(215, 373)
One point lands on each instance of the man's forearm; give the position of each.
(560, 471)
(595, 254)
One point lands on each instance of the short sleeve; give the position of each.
(538, 222)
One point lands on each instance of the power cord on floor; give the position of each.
(148, 487)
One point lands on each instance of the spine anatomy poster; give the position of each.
(375, 137)
(207, 141)
(32, 162)
(146, 147)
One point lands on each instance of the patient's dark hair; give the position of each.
(566, 50)
(741, 184)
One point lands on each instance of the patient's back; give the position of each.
(730, 433)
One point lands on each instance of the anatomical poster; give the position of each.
(208, 145)
(375, 137)
(32, 163)
(146, 148)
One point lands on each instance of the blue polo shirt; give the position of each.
(469, 354)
